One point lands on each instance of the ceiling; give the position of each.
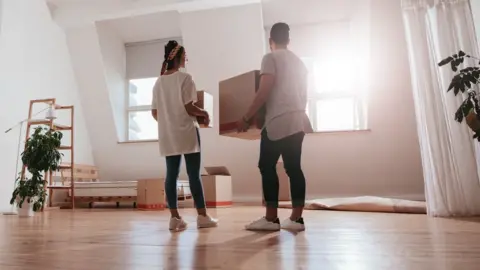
(146, 27)
(73, 13)
(166, 24)
(61, 3)
(309, 11)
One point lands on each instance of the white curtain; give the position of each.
(436, 29)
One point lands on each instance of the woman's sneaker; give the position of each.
(264, 225)
(177, 224)
(206, 222)
(294, 226)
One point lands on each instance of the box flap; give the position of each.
(218, 170)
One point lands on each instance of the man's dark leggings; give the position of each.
(290, 148)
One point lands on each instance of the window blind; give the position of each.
(144, 60)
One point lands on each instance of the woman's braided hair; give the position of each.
(173, 55)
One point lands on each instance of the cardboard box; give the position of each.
(205, 101)
(150, 194)
(217, 187)
(235, 97)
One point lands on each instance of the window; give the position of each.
(333, 102)
(336, 96)
(141, 125)
(143, 65)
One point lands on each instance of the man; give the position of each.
(283, 92)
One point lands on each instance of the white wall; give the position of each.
(87, 61)
(34, 64)
(229, 41)
(113, 54)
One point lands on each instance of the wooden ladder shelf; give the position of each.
(54, 126)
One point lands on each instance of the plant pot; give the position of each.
(26, 210)
(472, 121)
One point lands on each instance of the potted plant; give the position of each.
(40, 156)
(464, 82)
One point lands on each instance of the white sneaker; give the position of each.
(294, 226)
(177, 224)
(206, 222)
(263, 225)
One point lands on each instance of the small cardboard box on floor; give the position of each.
(150, 194)
(217, 187)
(205, 101)
(235, 96)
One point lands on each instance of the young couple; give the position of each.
(283, 92)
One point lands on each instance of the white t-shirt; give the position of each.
(177, 131)
(287, 102)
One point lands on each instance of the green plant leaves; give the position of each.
(463, 82)
(455, 60)
(41, 155)
(446, 61)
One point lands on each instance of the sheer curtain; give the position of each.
(436, 29)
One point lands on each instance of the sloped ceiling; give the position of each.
(71, 13)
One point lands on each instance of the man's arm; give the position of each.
(194, 110)
(266, 86)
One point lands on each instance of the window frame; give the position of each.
(141, 108)
(314, 96)
(132, 109)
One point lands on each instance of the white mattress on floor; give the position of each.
(119, 189)
(106, 189)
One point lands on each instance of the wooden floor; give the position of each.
(126, 239)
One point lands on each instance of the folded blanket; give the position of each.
(364, 204)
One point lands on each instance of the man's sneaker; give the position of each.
(177, 224)
(206, 222)
(264, 225)
(295, 226)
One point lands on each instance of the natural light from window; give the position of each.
(335, 103)
(337, 65)
(141, 125)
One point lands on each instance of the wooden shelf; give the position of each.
(51, 124)
(59, 187)
(48, 122)
(47, 101)
(39, 122)
(59, 107)
(61, 127)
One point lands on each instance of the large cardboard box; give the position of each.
(205, 101)
(217, 187)
(235, 97)
(150, 194)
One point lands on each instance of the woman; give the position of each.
(173, 106)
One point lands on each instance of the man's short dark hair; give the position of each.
(280, 33)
